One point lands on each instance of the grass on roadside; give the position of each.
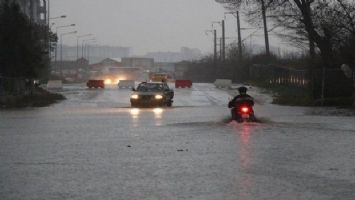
(294, 96)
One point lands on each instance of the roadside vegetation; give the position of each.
(39, 98)
(24, 58)
(321, 74)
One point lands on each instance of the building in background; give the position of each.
(165, 67)
(94, 53)
(36, 10)
(185, 54)
(105, 65)
(143, 63)
(72, 71)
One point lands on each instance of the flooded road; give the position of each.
(94, 146)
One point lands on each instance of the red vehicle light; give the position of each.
(245, 109)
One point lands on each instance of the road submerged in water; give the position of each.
(94, 146)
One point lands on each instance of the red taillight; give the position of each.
(245, 109)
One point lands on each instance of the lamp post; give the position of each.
(64, 26)
(222, 48)
(82, 45)
(214, 31)
(77, 43)
(61, 49)
(56, 31)
(87, 47)
(50, 29)
(62, 16)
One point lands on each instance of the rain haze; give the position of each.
(154, 25)
(141, 100)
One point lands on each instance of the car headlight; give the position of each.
(158, 96)
(134, 96)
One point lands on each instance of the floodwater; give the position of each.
(94, 146)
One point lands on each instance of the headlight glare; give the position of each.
(158, 96)
(134, 96)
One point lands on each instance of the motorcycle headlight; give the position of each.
(158, 96)
(134, 96)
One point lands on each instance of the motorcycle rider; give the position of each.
(242, 97)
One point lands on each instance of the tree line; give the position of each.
(325, 27)
(24, 49)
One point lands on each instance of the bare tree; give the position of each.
(325, 25)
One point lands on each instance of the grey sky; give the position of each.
(144, 25)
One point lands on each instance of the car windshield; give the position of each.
(150, 87)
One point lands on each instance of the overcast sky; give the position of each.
(144, 25)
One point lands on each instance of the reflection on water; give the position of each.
(137, 113)
(134, 114)
(245, 157)
(158, 113)
(245, 150)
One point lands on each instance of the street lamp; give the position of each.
(50, 29)
(64, 26)
(61, 49)
(223, 39)
(57, 29)
(48, 13)
(214, 31)
(77, 43)
(62, 16)
(82, 45)
(87, 48)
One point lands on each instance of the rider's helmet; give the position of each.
(242, 90)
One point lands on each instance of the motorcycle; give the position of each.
(243, 111)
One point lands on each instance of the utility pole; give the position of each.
(215, 55)
(48, 33)
(223, 46)
(240, 50)
(266, 34)
(239, 38)
(323, 86)
(215, 46)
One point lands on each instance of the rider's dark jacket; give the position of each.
(240, 99)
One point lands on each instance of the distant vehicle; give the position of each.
(95, 84)
(152, 94)
(126, 84)
(163, 77)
